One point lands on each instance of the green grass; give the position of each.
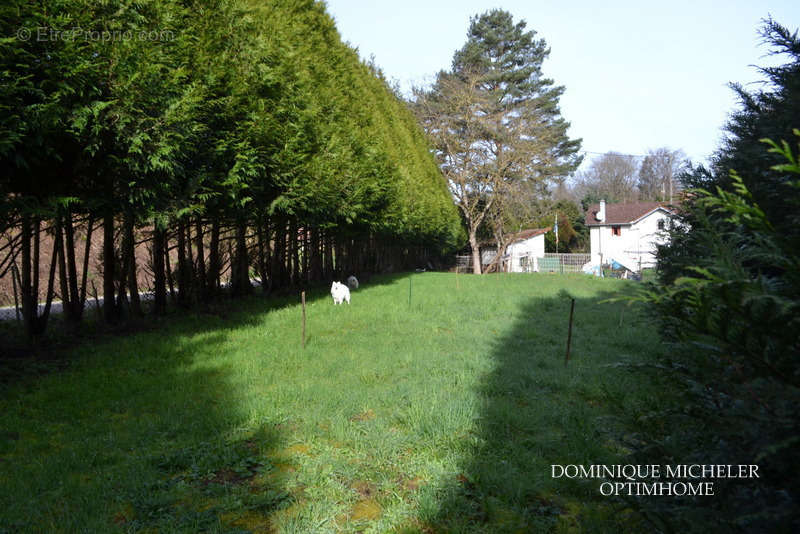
(649, 275)
(444, 414)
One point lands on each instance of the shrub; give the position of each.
(728, 300)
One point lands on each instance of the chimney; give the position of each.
(601, 213)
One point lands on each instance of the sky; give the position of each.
(638, 75)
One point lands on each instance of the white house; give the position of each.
(627, 232)
(524, 250)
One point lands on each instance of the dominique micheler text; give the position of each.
(656, 480)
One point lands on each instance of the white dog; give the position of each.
(340, 293)
(352, 282)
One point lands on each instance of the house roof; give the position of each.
(527, 234)
(519, 236)
(626, 213)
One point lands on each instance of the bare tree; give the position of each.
(452, 118)
(519, 205)
(611, 176)
(658, 172)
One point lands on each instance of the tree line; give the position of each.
(727, 298)
(244, 141)
(616, 177)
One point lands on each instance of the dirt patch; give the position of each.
(410, 485)
(296, 449)
(225, 476)
(125, 515)
(284, 468)
(284, 514)
(366, 510)
(364, 488)
(466, 483)
(416, 527)
(286, 426)
(228, 476)
(250, 521)
(363, 416)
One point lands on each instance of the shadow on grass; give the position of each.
(131, 438)
(19, 360)
(537, 412)
(145, 431)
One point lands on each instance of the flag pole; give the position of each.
(555, 229)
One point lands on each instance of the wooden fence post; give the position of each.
(14, 275)
(569, 333)
(303, 299)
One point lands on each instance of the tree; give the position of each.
(771, 112)
(611, 177)
(46, 87)
(728, 300)
(733, 318)
(518, 206)
(659, 172)
(573, 236)
(494, 121)
(248, 141)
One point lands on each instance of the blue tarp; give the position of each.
(595, 270)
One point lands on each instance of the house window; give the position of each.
(661, 224)
(616, 230)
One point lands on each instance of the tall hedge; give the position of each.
(235, 139)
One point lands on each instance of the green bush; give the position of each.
(728, 300)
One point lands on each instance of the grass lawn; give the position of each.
(442, 415)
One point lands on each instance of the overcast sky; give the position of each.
(638, 75)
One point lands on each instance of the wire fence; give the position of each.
(562, 263)
(463, 263)
(9, 313)
(549, 263)
(93, 303)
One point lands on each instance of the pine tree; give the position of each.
(495, 120)
(771, 112)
